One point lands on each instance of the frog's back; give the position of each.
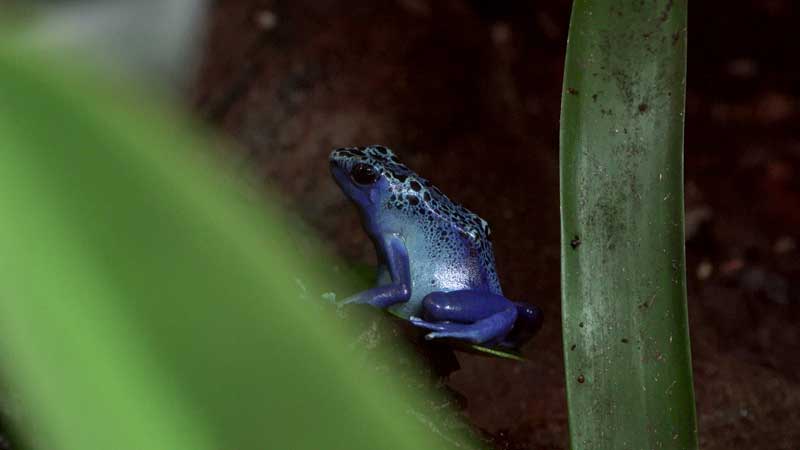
(449, 246)
(460, 239)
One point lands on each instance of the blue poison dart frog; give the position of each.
(435, 260)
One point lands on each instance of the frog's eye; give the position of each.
(364, 174)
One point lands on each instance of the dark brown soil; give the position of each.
(469, 95)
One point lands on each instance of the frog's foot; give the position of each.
(329, 297)
(434, 326)
(442, 329)
(488, 330)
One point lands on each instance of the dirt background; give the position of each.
(468, 93)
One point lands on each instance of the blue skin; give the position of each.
(436, 264)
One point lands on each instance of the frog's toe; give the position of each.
(422, 323)
(468, 336)
(446, 330)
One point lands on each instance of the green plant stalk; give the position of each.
(625, 326)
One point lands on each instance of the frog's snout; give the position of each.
(338, 168)
(336, 158)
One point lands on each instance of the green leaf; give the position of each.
(625, 331)
(148, 301)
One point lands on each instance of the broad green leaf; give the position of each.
(148, 301)
(625, 331)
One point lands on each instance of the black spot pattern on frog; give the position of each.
(445, 223)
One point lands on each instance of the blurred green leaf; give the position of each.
(148, 301)
(625, 331)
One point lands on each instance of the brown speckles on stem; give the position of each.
(667, 9)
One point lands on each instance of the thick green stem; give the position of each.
(626, 340)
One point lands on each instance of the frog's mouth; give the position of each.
(340, 173)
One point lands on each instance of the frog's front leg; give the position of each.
(479, 317)
(393, 253)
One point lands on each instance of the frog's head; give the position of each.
(383, 188)
(361, 173)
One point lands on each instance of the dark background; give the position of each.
(468, 94)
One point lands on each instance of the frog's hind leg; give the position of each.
(478, 317)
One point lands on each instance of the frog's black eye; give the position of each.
(364, 174)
